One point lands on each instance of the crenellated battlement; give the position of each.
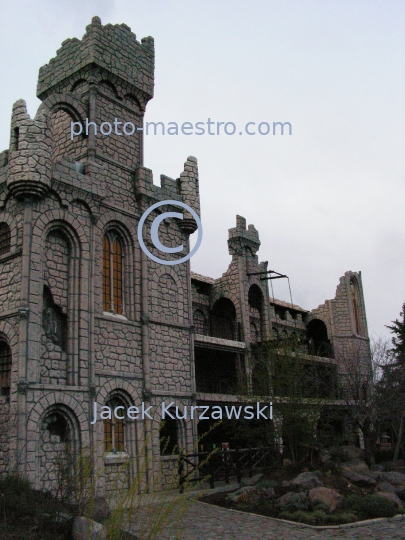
(241, 237)
(185, 189)
(29, 157)
(113, 48)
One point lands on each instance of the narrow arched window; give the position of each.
(168, 436)
(5, 238)
(354, 295)
(5, 367)
(114, 428)
(112, 274)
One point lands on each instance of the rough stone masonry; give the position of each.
(86, 316)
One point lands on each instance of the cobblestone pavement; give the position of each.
(208, 522)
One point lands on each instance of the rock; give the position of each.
(306, 481)
(326, 496)
(374, 474)
(251, 481)
(391, 497)
(287, 462)
(394, 478)
(268, 493)
(357, 465)
(251, 494)
(240, 494)
(358, 479)
(386, 487)
(293, 501)
(87, 529)
(101, 510)
(377, 468)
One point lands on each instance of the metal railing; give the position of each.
(222, 465)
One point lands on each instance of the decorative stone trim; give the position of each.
(22, 387)
(24, 312)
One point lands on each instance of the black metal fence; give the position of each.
(223, 464)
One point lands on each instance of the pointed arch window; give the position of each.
(112, 274)
(5, 238)
(354, 295)
(169, 437)
(114, 428)
(5, 367)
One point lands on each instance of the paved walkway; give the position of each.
(209, 522)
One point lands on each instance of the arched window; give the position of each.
(112, 274)
(255, 299)
(168, 435)
(114, 428)
(354, 296)
(5, 367)
(200, 322)
(5, 238)
(223, 319)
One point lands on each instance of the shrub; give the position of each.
(370, 506)
(339, 519)
(312, 518)
(293, 502)
(321, 506)
(318, 517)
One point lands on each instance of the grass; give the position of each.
(26, 513)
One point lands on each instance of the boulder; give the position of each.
(101, 510)
(293, 501)
(268, 493)
(251, 494)
(394, 478)
(241, 495)
(358, 479)
(391, 497)
(357, 465)
(251, 481)
(87, 529)
(305, 481)
(386, 487)
(326, 496)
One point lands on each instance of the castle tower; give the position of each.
(85, 315)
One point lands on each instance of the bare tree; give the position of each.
(359, 376)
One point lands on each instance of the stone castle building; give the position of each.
(86, 316)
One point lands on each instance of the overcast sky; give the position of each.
(327, 199)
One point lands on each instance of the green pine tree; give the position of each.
(398, 342)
